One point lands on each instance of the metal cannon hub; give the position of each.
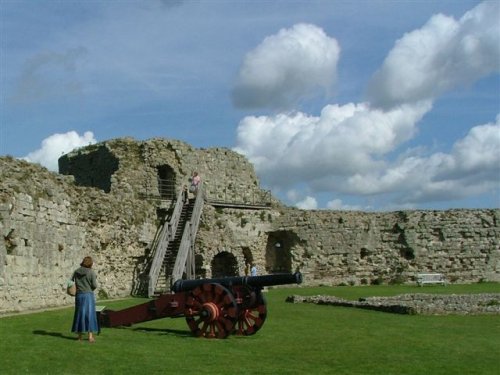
(209, 312)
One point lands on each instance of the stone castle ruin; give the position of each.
(119, 201)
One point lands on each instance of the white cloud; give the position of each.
(344, 140)
(473, 167)
(308, 203)
(351, 148)
(56, 145)
(440, 56)
(287, 67)
(298, 200)
(479, 150)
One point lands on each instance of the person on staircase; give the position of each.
(195, 183)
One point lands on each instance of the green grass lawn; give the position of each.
(296, 339)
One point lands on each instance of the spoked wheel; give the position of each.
(252, 313)
(211, 311)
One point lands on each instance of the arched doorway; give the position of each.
(278, 251)
(224, 264)
(248, 257)
(166, 181)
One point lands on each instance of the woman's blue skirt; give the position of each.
(85, 319)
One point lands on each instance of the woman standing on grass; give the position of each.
(85, 319)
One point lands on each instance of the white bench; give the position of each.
(430, 278)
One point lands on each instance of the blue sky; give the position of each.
(362, 105)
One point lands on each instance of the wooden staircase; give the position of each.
(164, 280)
(172, 251)
(173, 248)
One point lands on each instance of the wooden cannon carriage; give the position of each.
(213, 308)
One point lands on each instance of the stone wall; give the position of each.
(105, 203)
(47, 226)
(334, 247)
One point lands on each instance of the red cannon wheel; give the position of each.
(253, 312)
(211, 311)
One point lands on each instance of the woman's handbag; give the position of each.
(71, 288)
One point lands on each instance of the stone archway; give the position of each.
(166, 181)
(278, 251)
(248, 259)
(224, 264)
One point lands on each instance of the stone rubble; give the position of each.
(416, 303)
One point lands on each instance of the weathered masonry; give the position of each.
(118, 201)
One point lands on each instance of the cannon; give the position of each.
(213, 308)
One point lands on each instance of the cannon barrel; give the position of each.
(253, 281)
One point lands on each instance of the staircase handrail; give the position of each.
(195, 222)
(160, 247)
(185, 255)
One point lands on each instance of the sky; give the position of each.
(348, 105)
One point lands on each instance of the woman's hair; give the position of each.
(87, 262)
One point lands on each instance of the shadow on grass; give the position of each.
(165, 331)
(53, 334)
